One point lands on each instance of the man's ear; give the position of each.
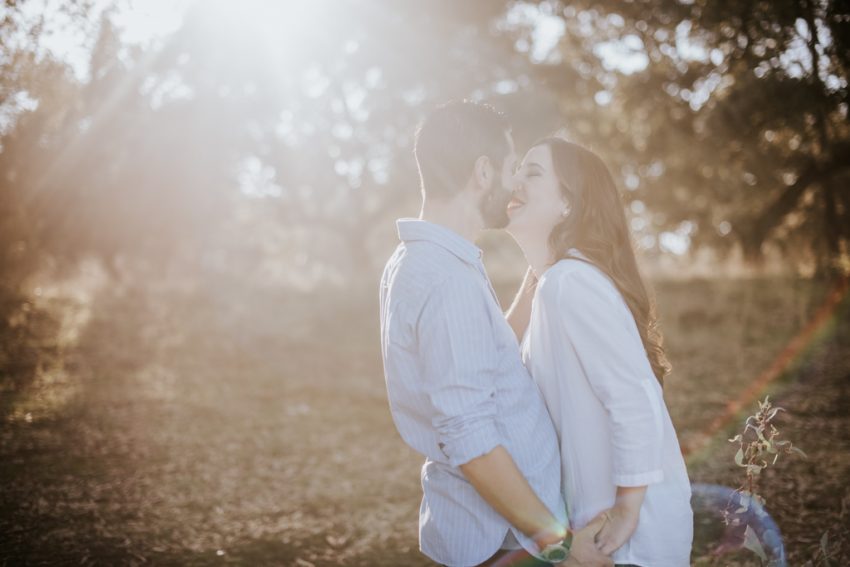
(483, 172)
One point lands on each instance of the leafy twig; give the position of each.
(759, 447)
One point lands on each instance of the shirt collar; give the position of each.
(418, 229)
(577, 253)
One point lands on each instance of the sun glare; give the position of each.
(286, 28)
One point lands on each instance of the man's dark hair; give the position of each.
(452, 138)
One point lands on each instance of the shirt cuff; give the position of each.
(471, 444)
(639, 479)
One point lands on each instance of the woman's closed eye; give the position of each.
(525, 171)
(533, 170)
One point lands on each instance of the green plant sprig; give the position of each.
(758, 448)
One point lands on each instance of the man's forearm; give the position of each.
(498, 480)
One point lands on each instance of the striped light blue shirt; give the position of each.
(457, 389)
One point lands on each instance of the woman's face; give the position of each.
(537, 204)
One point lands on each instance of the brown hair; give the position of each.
(596, 227)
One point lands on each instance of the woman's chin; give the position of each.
(525, 228)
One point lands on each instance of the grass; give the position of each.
(208, 425)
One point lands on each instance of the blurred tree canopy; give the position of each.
(161, 151)
(728, 118)
(276, 138)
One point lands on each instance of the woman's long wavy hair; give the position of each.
(596, 226)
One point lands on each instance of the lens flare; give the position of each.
(727, 523)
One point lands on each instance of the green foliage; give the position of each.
(733, 133)
(752, 542)
(758, 441)
(755, 445)
(735, 123)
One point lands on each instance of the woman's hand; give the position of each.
(519, 312)
(621, 520)
(619, 526)
(529, 282)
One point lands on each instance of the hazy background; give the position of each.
(197, 199)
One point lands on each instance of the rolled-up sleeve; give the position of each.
(597, 323)
(460, 358)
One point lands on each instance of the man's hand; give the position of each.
(584, 552)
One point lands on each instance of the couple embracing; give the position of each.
(544, 429)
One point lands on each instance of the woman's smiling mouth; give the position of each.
(515, 203)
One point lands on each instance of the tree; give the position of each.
(730, 117)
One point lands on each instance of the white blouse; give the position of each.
(583, 349)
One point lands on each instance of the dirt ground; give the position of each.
(181, 429)
(809, 498)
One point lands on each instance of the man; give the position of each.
(458, 391)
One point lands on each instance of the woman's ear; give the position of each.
(567, 204)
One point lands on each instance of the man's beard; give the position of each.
(494, 207)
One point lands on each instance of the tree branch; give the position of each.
(787, 201)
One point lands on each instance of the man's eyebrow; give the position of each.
(534, 164)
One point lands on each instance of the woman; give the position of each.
(592, 346)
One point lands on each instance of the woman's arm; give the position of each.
(592, 317)
(519, 313)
